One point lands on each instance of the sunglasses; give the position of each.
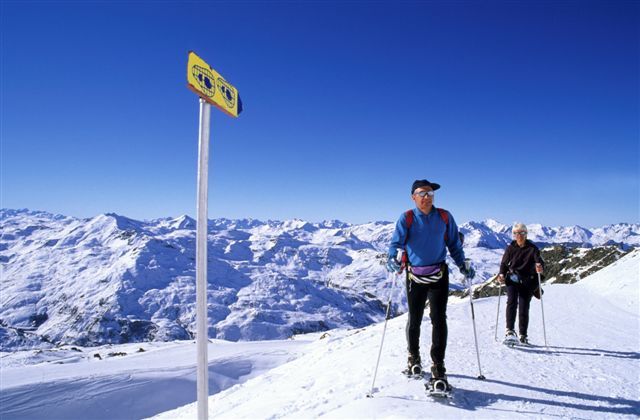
(522, 232)
(425, 193)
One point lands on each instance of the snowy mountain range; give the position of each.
(111, 279)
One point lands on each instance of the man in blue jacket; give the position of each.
(425, 233)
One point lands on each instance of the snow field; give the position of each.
(39, 385)
(590, 369)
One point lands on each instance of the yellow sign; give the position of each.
(210, 86)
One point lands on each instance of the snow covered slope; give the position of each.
(126, 381)
(590, 369)
(619, 283)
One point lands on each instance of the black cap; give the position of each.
(423, 183)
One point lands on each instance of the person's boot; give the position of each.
(438, 373)
(524, 339)
(510, 338)
(414, 365)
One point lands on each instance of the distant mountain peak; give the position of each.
(184, 222)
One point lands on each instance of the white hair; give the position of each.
(519, 227)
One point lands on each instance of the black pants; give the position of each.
(437, 294)
(518, 299)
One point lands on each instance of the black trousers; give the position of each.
(518, 299)
(417, 296)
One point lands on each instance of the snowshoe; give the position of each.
(414, 372)
(439, 388)
(510, 339)
(414, 367)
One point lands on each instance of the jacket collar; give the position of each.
(419, 212)
(527, 243)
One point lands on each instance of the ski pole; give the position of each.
(544, 329)
(467, 264)
(384, 329)
(498, 311)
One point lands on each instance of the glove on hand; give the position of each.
(393, 266)
(470, 273)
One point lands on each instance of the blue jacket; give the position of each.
(425, 244)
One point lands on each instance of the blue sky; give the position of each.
(522, 110)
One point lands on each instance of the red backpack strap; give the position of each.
(408, 217)
(444, 215)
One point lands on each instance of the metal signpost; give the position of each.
(212, 90)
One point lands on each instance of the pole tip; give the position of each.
(481, 377)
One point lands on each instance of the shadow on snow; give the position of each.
(579, 351)
(473, 399)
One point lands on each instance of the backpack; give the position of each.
(444, 215)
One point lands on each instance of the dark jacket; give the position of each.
(521, 261)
